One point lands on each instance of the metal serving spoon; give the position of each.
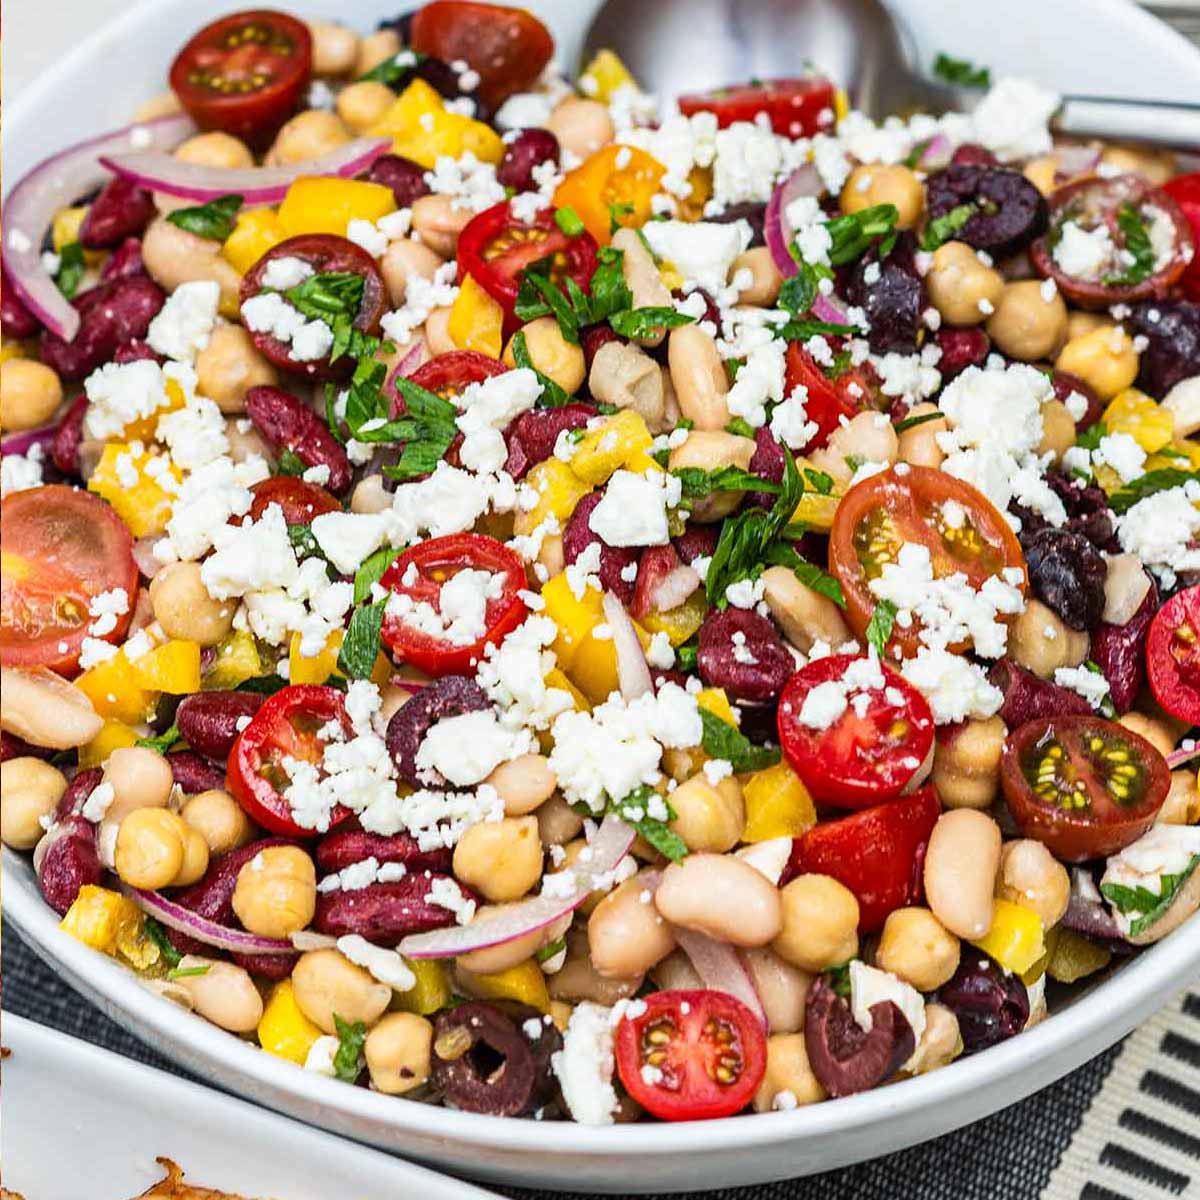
(675, 46)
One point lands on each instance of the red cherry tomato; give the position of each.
(828, 400)
(244, 74)
(286, 726)
(797, 107)
(1173, 656)
(868, 754)
(497, 246)
(299, 499)
(449, 374)
(421, 573)
(879, 854)
(1083, 786)
(62, 548)
(508, 47)
(1185, 191)
(879, 515)
(691, 1055)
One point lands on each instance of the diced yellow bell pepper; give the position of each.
(476, 320)
(671, 276)
(841, 104)
(110, 923)
(603, 76)
(326, 204)
(559, 489)
(114, 690)
(691, 207)
(237, 659)
(716, 702)
(1144, 419)
(681, 622)
(574, 616)
(283, 1030)
(1074, 957)
(610, 446)
(65, 229)
(421, 128)
(145, 428)
(173, 667)
(113, 736)
(319, 667)
(556, 679)
(13, 350)
(525, 983)
(777, 805)
(138, 499)
(430, 993)
(256, 231)
(1016, 939)
(815, 510)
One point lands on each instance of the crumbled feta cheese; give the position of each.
(633, 509)
(466, 749)
(701, 251)
(584, 1066)
(185, 322)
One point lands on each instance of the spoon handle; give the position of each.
(1159, 122)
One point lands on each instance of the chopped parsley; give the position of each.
(567, 219)
(942, 229)
(634, 810)
(158, 935)
(722, 740)
(290, 463)
(1153, 482)
(214, 220)
(698, 483)
(70, 269)
(163, 742)
(920, 419)
(961, 72)
(880, 626)
(1137, 245)
(347, 1062)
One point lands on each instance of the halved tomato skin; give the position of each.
(449, 374)
(695, 1033)
(300, 500)
(796, 107)
(1185, 191)
(1097, 822)
(61, 548)
(1173, 656)
(829, 400)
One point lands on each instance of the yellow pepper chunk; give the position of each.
(319, 667)
(256, 232)
(777, 805)
(173, 667)
(609, 446)
(115, 692)
(476, 320)
(65, 229)
(326, 204)
(574, 616)
(681, 622)
(556, 679)
(1015, 940)
(816, 510)
(1144, 419)
(110, 923)
(715, 701)
(559, 489)
(430, 993)
(1073, 957)
(603, 76)
(524, 982)
(237, 659)
(113, 736)
(124, 479)
(421, 128)
(283, 1030)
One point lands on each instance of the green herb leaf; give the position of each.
(163, 742)
(1137, 244)
(782, 554)
(334, 297)
(1162, 480)
(616, 214)
(642, 322)
(698, 482)
(548, 951)
(70, 269)
(538, 296)
(290, 463)
(567, 219)
(839, 979)
(552, 395)
(917, 153)
(961, 72)
(608, 291)
(1090, 438)
(819, 481)
(1149, 904)
(186, 972)
(304, 541)
(634, 811)
(262, 685)
(721, 740)
(942, 229)
(880, 626)
(427, 428)
(360, 646)
(393, 73)
(802, 330)
(854, 234)
(214, 220)
(371, 571)
(687, 655)
(158, 935)
(347, 1060)
(920, 419)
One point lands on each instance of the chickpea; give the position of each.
(276, 892)
(966, 762)
(245, 442)
(709, 818)
(940, 1044)
(1183, 403)
(1032, 877)
(820, 923)
(398, 1053)
(375, 48)
(961, 287)
(1058, 430)
(960, 871)
(524, 784)
(437, 332)
(223, 993)
(1104, 359)
(551, 354)
(866, 437)
(1155, 732)
(578, 979)
(721, 896)
(643, 279)
(370, 496)
(173, 256)
(765, 279)
(572, 850)
(916, 947)
(782, 988)
(150, 848)
(165, 104)
(1182, 805)
(1030, 321)
(306, 136)
(334, 48)
(1080, 323)
(30, 790)
(30, 393)
(804, 616)
(326, 983)
(789, 1076)
(581, 126)
(361, 105)
(918, 445)
(1155, 166)
(557, 822)
(500, 859)
(1039, 641)
(710, 450)
(140, 778)
(698, 377)
(676, 973)
(1043, 173)
(216, 149)
(877, 183)
(437, 221)
(229, 366)
(219, 819)
(183, 607)
(627, 377)
(551, 557)
(626, 934)
(405, 259)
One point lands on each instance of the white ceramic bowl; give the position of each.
(1068, 44)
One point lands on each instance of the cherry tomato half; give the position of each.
(244, 74)
(797, 107)
(421, 573)
(614, 184)
(508, 47)
(299, 499)
(449, 374)
(62, 548)
(286, 726)
(1095, 204)
(691, 1055)
(869, 753)
(1083, 786)
(1185, 191)
(1173, 656)
(829, 400)
(879, 515)
(496, 246)
(879, 854)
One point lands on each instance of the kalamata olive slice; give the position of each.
(405, 177)
(529, 148)
(844, 1057)
(742, 652)
(1173, 331)
(991, 1004)
(450, 696)
(484, 1063)
(892, 293)
(1009, 211)
(1067, 573)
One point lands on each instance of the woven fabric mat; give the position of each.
(1124, 1127)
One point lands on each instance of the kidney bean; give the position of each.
(78, 790)
(530, 148)
(195, 774)
(1065, 384)
(68, 862)
(16, 321)
(579, 535)
(210, 721)
(767, 462)
(532, 436)
(991, 1004)
(697, 541)
(450, 696)
(961, 348)
(64, 449)
(111, 314)
(1173, 330)
(12, 746)
(719, 660)
(971, 154)
(121, 210)
(287, 423)
(124, 261)
(405, 177)
(271, 966)
(592, 337)
(339, 849)
(137, 351)
(383, 912)
(1119, 652)
(1026, 697)
(1010, 211)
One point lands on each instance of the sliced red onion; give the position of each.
(183, 920)
(22, 443)
(936, 153)
(159, 172)
(309, 939)
(610, 845)
(1179, 758)
(633, 672)
(1074, 161)
(415, 356)
(829, 308)
(718, 965)
(143, 555)
(674, 588)
(803, 181)
(56, 182)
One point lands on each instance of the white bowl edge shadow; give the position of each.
(644, 1158)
